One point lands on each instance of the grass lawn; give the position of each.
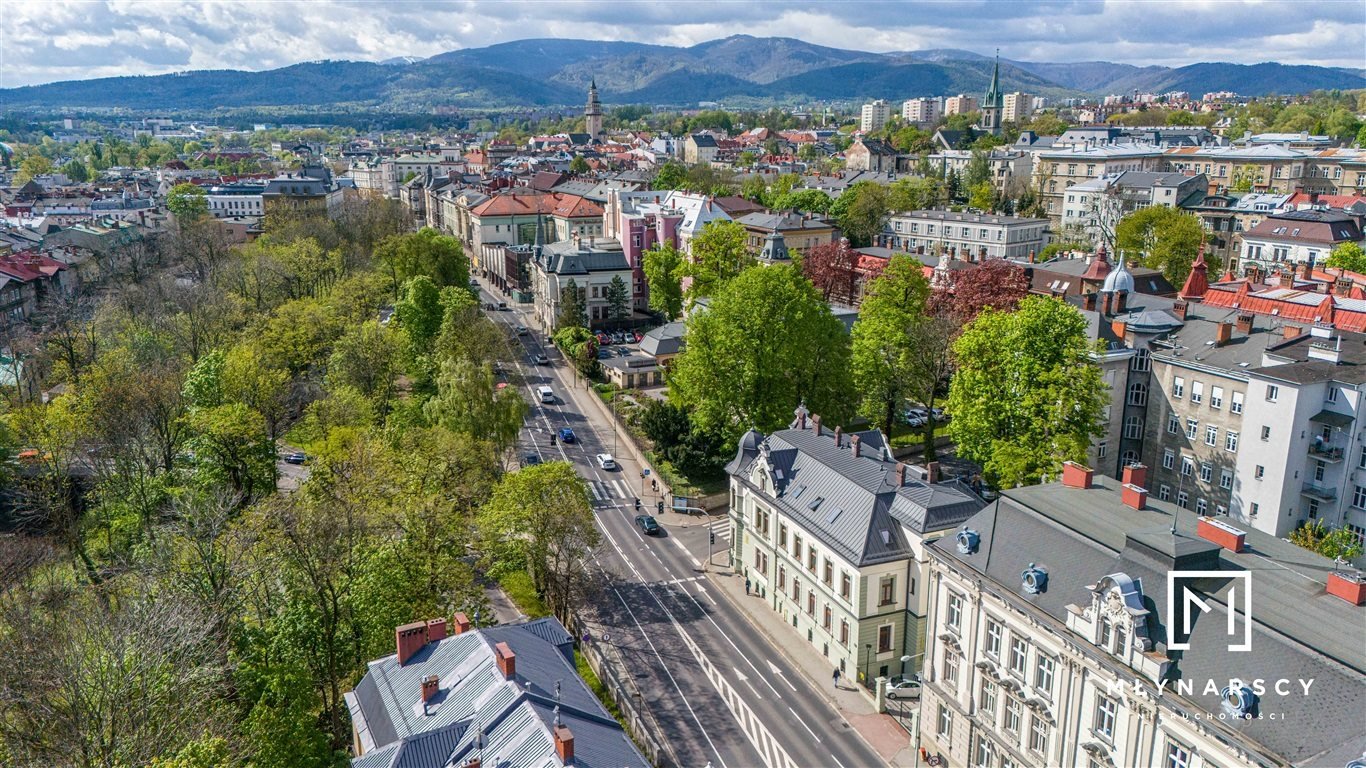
(903, 435)
(521, 592)
(599, 690)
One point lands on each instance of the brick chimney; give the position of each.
(1224, 334)
(436, 630)
(1136, 474)
(507, 660)
(801, 419)
(854, 444)
(900, 474)
(1290, 331)
(409, 639)
(461, 624)
(1134, 496)
(1088, 302)
(1348, 587)
(1288, 277)
(1105, 303)
(1075, 475)
(816, 423)
(1244, 323)
(838, 433)
(564, 744)
(932, 471)
(1179, 310)
(474, 762)
(1121, 301)
(1221, 533)
(1119, 328)
(431, 685)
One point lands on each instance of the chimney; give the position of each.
(461, 624)
(564, 744)
(436, 630)
(1119, 327)
(409, 639)
(1348, 587)
(1121, 301)
(816, 424)
(1288, 277)
(1224, 334)
(838, 432)
(1134, 496)
(900, 474)
(474, 762)
(1136, 474)
(1290, 331)
(1221, 533)
(507, 660)
(1105, 303)
(1075, 475)
(1244, 323)
(801, 419)
(431, 684)
(932, 472)
(854, 444)
(1179, 309)
(1088, 302)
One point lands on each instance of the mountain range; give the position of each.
(737, 70)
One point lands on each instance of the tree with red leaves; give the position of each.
(995, 283)
(833, 269)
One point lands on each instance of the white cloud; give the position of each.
(79, 39)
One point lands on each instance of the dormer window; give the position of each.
(763, 481)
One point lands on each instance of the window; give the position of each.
(1231, 441)
(1102, 449)
(1178, 387)
(1187, 466)
(1104, 725)
(1197, 391)
(1140, 362)
(884, 638)
(1332, 394)
(797, 547)
(1182, 499)
(1138, 394)
(951, 667)
(1272, 392)
(1178, 755)
(1266, 433)
(844, 632)
(1168, 459)
(1359, 497)
(1043, 677)
(954, 615)
(993, 646)
(988, 697)
(1259, 472)
(846, 585)
(945, 724)
(829, 572)
(796, 590)
(1013, 715)
(1225, 479)
(827, 618)
(811, 558)
(1165, 493)
(811, 603)
(782, 535)
(981, 752)
(1192, 428)
(1237, 405)
(1133, 428)
(1216, 397)
(1201, 507)
(1211, 435)
(782, 578)
(1173, 424)
(1038, 734)
(1206, 472)
(1252, 510)
(887, 590)
(1019, 651)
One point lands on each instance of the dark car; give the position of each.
(647, 524)
(530, 460)
(296, 458)
(566, 435)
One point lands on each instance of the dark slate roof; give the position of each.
(704, 140)
(1299, 631)
(850, 503)
(569, 258)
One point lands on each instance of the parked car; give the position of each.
(940, 416)
(915, 417)
(298, 457)
(530, 460)
(647, 524)
(502, 306)
(540, 359)
(603, 338)
(566, 435)
(521, 330)
(903, 688)
(606, 461)
(639, 336)
(604, 353)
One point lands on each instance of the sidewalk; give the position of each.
(881, 731)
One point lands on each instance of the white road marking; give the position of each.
(803, 722)
(773, 669)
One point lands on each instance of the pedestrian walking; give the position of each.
(837, 677)
(746, 585)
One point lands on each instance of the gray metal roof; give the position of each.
(1299, 632)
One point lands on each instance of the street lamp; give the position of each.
(868, 664)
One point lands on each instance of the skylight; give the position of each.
(816, 502)
(834, 513)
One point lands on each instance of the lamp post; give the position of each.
(867, 664)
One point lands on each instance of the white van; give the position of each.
(547, 394)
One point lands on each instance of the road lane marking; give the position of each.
(773, 669)
(803, 722)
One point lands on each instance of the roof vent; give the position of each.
(967, 541)
(1239, 700)
(1034, 579)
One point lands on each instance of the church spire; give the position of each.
(592, 114)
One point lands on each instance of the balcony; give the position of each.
(1326, 451)
(1321, 492)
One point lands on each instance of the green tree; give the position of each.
(719, 253)
(882, 363)
(672, 175)
(425, 253)
(76, 171)
(664, 268)
(1027, 395)
(982, 196)
(806, 200)
(579, 345)
(578, 165)
(1348, 256)
(470, 400)
(230, 447)
(573, 314)
(419, 313)
(1167, 239)
(860, 212)
(978, 170)
(1334, 543)
(766, 342)
(914, 194)
(188, 201)
(618, 300)
(1245, 177)
(366, 358)
(30, 167)
(540, 520)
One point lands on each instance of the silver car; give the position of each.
(904, 688)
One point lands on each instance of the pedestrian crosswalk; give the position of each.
(721, 528)
(607, 490)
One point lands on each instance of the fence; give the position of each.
(639, 722)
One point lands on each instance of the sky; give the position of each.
(49, 40)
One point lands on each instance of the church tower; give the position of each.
(993, 102)
(592, 114)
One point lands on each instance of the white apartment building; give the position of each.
(830, 531)
(968, 235)
(1053, 638)
(229, 200)
(1096, 206)
(873, 117)
(1297, 237)
(1017, 107)
(924, 110)
(960, 105)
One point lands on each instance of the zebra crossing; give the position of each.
(607, 490)
(721, 529)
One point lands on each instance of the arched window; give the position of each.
(1141, 361)
(1138, 394)
(1130, 457)
(763, 481)
(1133, 428)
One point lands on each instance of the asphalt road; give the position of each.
(723, 697)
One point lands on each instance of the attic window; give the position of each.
(834, 514)
(778, 473)
(816, 502)
(886, 536)
(798, 492)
